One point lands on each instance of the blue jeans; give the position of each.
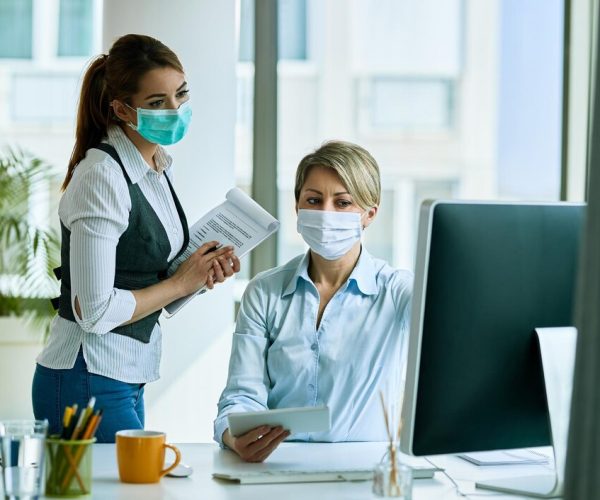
(122, 404)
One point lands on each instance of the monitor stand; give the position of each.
(557, 347)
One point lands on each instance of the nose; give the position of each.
(328, 204)
(172, 103)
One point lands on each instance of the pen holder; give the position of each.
(68, 467)
(391, 478)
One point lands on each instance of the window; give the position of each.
(454, 99)
(292, 30)
(75, 28)
(388, 104)
(44, 97)
(16, 29)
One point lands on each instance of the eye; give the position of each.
(313, 201)
(344, 203)
(156, 104)
(183, 93)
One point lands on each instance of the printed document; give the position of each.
(239, 222)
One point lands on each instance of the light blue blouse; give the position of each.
(280, 359)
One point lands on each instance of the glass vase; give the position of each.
(392, 478)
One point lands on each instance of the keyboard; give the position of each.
(312, 476)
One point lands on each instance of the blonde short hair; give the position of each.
(357, 169)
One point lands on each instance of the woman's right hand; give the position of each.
(193, 273)
(256, 445)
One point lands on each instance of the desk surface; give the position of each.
(205, 457)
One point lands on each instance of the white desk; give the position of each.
(201, 485)
(201, 457)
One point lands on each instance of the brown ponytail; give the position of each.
(92, 114)
(113, 76)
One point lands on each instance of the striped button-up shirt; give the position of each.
(95, 208)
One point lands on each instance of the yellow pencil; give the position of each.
(67, 416)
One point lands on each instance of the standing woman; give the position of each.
(122, 225)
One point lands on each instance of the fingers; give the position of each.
(210, 282)
(265, 441)
(210, 265)
(218, 270)
(224, 251)
(207, 246)
(224, 264)
(259, 443)
(252, 436)
(264, 454)
(235, 264)
(227, 265)
(211, 249)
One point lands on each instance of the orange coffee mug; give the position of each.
(141, 456)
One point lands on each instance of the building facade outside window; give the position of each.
(454, 99)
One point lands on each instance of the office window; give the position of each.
(246, 31)
(75, 30)
(405, 104)
(453, 98)
(292, 30)
(16, 29)
(44, 97)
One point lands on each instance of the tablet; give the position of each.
(295, 420)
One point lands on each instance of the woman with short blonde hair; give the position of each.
(327, 327)
(355, 166)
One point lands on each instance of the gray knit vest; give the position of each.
(141, 257)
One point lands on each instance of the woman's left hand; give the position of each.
(223, 268)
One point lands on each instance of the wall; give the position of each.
(196, 340)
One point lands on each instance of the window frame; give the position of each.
(45, 36)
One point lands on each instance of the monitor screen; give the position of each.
(486, 275)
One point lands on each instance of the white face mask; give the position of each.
(329, 234)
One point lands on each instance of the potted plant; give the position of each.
(29, 247)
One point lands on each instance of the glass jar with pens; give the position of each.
(69, 454)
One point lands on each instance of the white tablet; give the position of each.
(295, 420)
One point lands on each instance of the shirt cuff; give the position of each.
(221, 425)
(120, 309)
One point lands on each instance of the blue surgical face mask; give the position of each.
(162, 126)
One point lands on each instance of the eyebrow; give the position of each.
(163, 95)
(319, 192)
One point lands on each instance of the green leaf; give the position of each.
(28, 250)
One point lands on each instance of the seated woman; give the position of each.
(327, 328)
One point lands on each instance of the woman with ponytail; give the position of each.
(122, 225)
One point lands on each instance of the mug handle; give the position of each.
(175, 463)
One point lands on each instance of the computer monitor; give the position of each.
(487, 274)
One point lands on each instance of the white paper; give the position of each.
(509, 457)
(239, 222)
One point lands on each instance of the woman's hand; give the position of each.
(223, 268)
(256, 445)
(200, 268)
